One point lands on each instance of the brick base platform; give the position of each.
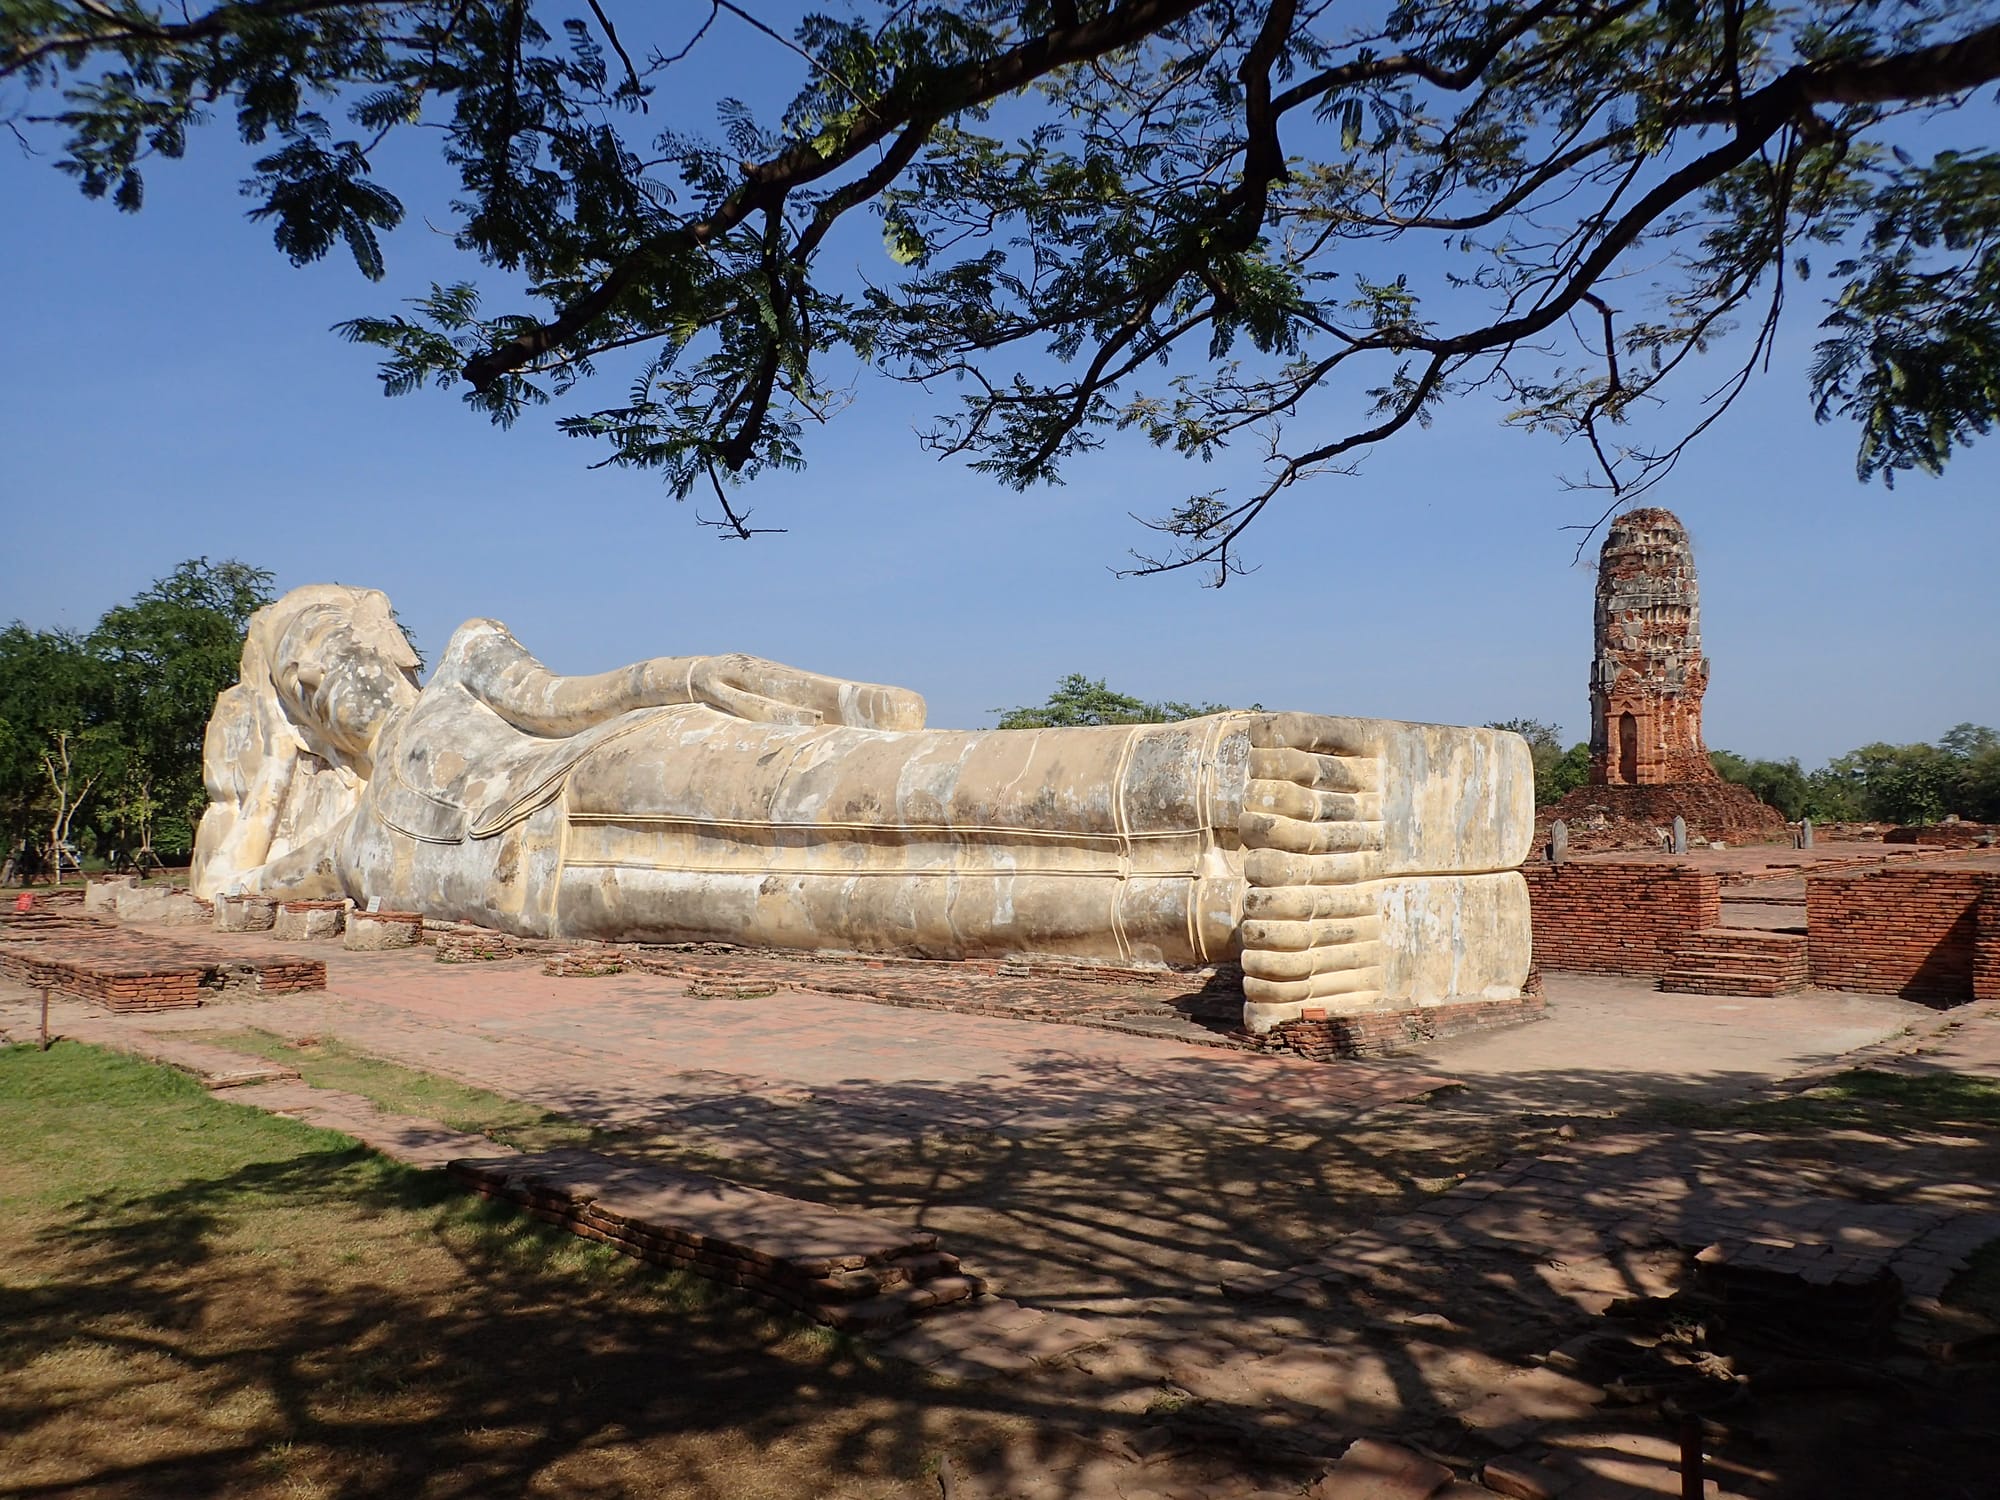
(1202, 1008)
(124, 970)
(1629, 817)
(1389, 1033)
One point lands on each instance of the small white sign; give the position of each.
(374, 903)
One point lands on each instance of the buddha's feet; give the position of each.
(1312, 839)
(1379, 862)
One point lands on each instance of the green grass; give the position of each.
(327, 1063)
(1861, 1098)
(125, 1148)
(199, 1298)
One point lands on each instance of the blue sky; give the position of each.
(173, 390)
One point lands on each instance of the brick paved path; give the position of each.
(1580, 1210)
(1586, 1214)
(788, 1072)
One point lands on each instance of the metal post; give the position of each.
(1691, 1464)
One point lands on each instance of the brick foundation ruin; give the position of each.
(1960, 835)
(124, 970)
(1639, 817)
(1391, 1033)
(1924, 928)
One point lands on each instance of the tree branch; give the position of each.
(120, 28)
(958, 87)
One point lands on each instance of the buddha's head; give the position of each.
(340, 666)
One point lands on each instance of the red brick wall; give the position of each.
(1986, 947)
(1619, 918)
(1913, 932)
(1387, 1033)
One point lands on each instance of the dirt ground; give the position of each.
(197, 1299)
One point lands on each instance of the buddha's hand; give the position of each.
(770, 692)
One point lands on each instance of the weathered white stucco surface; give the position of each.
(1346, 863)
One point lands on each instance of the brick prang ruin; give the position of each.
(1648, 674)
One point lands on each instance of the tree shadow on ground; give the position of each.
(1138, 1213)
(198, 1341)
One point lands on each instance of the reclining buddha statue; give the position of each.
(1347, 864)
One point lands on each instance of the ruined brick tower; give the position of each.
(1648, 674)
(1648, 764)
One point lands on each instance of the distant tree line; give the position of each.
(101, 732)
(1878, 783)
(1079, 702)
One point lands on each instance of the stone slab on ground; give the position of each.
(993, 1339)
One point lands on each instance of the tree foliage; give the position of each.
(1080, 701)
(1209, 222)
(1883, 783)
(129, 703)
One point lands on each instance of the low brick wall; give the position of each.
(585, 963)
(1986, 949)
(124, 970)
(1927, 934)
(1388, 1033)
(1619, 917)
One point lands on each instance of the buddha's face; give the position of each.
(343, 669)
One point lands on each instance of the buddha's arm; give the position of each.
(498, 670)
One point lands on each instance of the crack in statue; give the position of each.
(1347, 864)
